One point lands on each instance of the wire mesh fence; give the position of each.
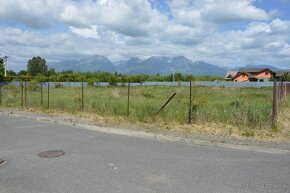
(243, 107)
(281, 90)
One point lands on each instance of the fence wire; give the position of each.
(243, 107)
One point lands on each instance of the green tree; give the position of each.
(11, 73)
(22, 73)
(52, 72)
(37, 65)
(286, 77)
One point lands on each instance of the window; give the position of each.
(267, 73)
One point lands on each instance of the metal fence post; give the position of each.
(22, 93)
(41, 94)
(284, 90)
(128, 104)
(25, 94)
(281, 91)
(274, 103)
(0, 94)
(166, 103)
(190, 103)
(82, 97)
(48, 104)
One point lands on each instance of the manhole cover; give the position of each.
(51, 154)
(1, 161)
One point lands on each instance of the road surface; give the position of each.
(102, 162)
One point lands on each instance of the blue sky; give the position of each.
(282, 6)
(222, 32)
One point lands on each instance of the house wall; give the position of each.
(242, 78)
(263, 74)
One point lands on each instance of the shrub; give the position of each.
(33, 86)
(59, 85)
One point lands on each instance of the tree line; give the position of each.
(37, 70)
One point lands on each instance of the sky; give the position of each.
(227, 33)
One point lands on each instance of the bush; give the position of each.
(59, 85)
(11, 90)
(33, 86)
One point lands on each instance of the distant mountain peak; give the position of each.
(163, 65)
(180, 58)
(89, 64)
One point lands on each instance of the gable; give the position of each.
(231, 74)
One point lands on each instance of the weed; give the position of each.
(59, 85)
(242, 108)
(248, 133)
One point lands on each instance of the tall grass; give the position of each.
(241, 107)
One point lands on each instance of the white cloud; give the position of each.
(86, 32)
(124, 28)
(194, 12)
(33, 13)
(131, 18)
(279, 26)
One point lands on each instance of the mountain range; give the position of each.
(89, 64)
(154, 65)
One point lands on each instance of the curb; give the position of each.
(118, 131)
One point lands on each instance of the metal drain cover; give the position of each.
(1, 161)
(51, 154)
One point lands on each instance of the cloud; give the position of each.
(130, 18)
(33, 13)
(193, 12)
(86, 32)
(120, 29)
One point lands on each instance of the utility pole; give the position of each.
(5, 65)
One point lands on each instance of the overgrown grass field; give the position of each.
(239, 107)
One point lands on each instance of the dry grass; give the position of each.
(175, 128)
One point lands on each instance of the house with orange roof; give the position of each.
(230, 75)
(251, 75)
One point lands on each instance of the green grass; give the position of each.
(245, 108)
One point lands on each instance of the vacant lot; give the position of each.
(244, 108)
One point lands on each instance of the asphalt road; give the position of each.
(109, 163)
